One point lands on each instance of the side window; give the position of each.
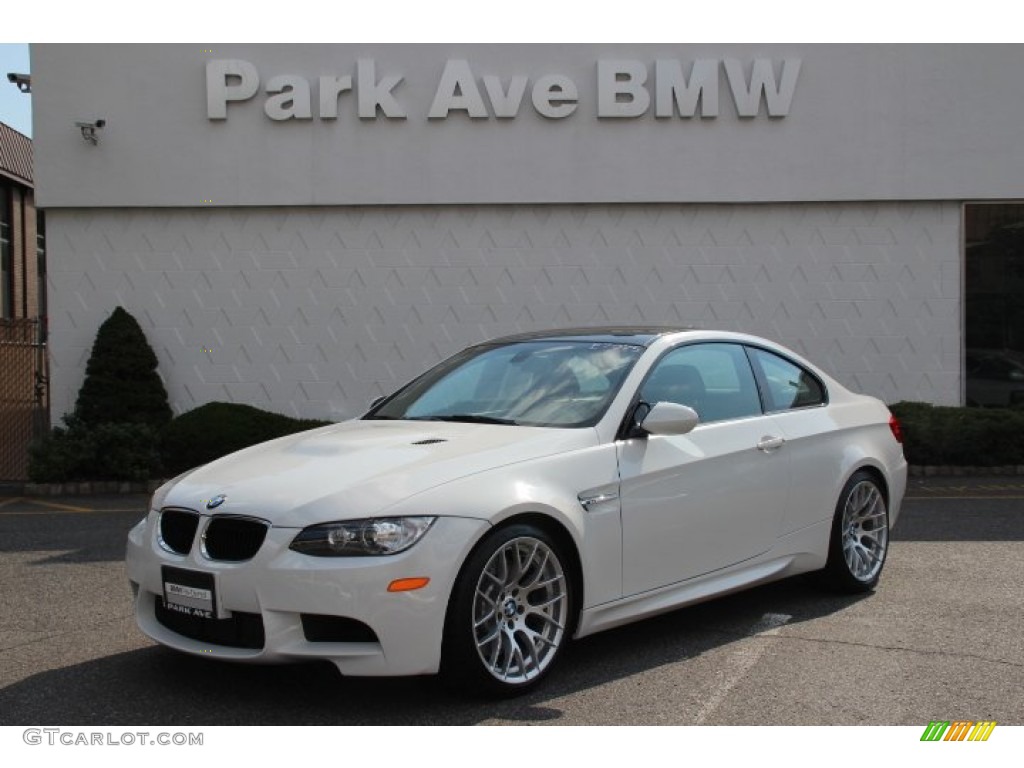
(713, 379)
(789, 385)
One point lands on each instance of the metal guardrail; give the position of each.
(24, 393)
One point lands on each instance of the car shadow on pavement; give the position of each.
(157, 686)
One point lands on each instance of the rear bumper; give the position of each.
(897, 490)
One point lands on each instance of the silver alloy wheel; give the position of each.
(520, 610)
(865, 532)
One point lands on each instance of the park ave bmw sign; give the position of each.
(625, 88)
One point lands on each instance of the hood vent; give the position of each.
(430, 441)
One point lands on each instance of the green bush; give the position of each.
(121, 383)
(121, 428)
(100, 452)
(979, 437)
(113, 433)
(216, 429)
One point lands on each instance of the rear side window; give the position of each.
(787, 384)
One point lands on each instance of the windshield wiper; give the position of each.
(469, 418)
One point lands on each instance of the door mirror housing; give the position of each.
(666, 418)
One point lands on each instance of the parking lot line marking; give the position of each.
(77, 511)
(58, 505)
(974, 487)
(962, 498)
(747, 654)
(53, 508)
(5, 502)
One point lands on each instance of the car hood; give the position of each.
(360, 468)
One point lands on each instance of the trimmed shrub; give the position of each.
(217, 429)
(121, 383)
(979, 437)
(113, 432)
(100, 452)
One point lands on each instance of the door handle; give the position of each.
(769, 443)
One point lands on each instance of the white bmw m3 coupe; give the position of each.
(524, 492)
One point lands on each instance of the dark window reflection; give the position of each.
(994, 304)
(6, 254)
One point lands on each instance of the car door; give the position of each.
(699, 502)
(815, 440)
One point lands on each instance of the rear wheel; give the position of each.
(860, 535)
(510, 614)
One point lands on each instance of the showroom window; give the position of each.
(994, 304)
(41, 260)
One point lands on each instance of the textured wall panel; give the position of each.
(313, 312)
(866, 122)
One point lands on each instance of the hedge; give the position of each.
(933, 436)
(947, 436)
(216, 429)
(80, 452)
(104, 451)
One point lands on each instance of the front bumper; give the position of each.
(278, 586)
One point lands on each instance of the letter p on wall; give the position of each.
(228, 80)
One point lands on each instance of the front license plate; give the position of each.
(189, 592)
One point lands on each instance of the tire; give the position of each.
(859, 540)
(511, 614)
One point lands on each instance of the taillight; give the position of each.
(897, 430)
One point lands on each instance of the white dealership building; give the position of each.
(305, 227)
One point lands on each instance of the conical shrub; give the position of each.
(121, 383)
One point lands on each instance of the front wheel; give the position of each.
(860, 536)
(510, 614)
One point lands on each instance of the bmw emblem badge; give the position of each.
(216, 501)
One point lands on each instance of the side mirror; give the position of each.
(669, 419)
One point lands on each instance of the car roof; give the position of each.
(642, 336)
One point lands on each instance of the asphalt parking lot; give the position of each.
(940, 639)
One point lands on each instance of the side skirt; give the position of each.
(799, 552)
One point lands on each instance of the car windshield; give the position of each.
(531, 383)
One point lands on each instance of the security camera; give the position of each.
(24, 82)
(89, 130)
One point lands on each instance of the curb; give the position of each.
(950, 471)
(100, 488)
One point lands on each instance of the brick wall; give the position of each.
(24, 272)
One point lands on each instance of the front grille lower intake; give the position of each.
(233, 539)
(319, 628)
(178, 529)
(240, 630)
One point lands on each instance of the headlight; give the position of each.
(359, 538)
